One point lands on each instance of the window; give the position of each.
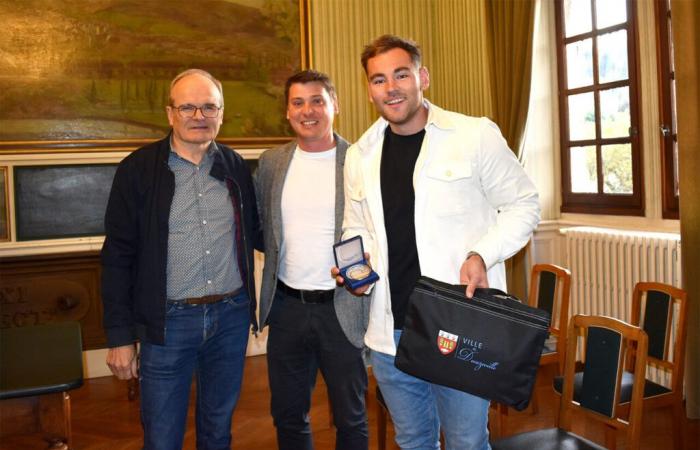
(598, 103)
(667, 102)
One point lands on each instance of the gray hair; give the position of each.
(201, 72)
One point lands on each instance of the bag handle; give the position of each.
(434, 285)
(496, 293)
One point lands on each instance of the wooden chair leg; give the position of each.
(502, 419)
(534, 403)
(679, 421)
(557, 398)
(610, 438)
(330, 413)
(496, 421)
(54, 420)
(381, 427)
(132, 389)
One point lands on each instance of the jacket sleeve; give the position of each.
(355, 216)
(119, 258)
(510, 192)
(254, 200)
(258, 179)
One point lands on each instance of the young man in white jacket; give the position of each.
(433, 193)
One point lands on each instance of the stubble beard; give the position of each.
(404, 118)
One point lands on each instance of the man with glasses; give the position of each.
(177, 270)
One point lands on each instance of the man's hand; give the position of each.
(473, 274)
(335, 273)
(122, 361)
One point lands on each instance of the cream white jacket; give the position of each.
(471, 194)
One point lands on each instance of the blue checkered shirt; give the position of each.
(201, 251)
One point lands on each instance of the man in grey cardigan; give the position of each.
(313, 323)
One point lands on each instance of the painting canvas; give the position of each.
(101, 69)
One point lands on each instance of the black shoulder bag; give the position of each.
(488, 346)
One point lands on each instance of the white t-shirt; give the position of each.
(308, 221)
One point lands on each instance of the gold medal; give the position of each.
(358, 271)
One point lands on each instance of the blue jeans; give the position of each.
(209, 341)
(303, 339)
(419, 409)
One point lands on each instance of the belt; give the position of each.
(209, 299)
(317, 296)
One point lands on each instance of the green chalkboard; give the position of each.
(61, 200)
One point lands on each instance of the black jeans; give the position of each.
(304, 338)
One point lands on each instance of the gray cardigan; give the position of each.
(352, 312)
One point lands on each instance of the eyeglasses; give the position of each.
(188, 111)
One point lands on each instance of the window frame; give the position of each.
(600, 202)
(666, 77)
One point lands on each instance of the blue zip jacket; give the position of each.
(135, 251)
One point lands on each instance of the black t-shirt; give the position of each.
(399, 156)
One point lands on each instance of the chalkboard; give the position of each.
(61, 200)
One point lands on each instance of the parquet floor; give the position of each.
(103, 418)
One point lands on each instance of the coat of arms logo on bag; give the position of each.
(446, 342)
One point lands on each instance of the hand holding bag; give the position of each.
(488, 346)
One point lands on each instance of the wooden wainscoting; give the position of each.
(42, 289)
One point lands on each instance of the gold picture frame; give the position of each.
(4, 205)
(101, 78)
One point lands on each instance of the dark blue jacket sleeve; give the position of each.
(119, 254)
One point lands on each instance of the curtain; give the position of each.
(510, 25)
(451, 33)
(686, 48)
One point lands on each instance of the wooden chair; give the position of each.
(38, 366)
(655, 308)
(550, 288)
(608, 344)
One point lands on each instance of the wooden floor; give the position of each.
(103, 418)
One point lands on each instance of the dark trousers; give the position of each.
(304, 338)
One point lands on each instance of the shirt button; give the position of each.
(448, 173)
(204, 222)
(207, 252)
(208, 281)
(199, 195)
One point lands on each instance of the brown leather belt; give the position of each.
(317, 296)
(209, 299)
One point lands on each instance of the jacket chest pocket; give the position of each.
(449, 186)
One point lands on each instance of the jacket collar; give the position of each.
(437, 117)
(220, 168)
(340, 143)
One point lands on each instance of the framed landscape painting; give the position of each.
(85, 74)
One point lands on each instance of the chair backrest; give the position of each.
(655, 308)
(550, 288)
(607, 341)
